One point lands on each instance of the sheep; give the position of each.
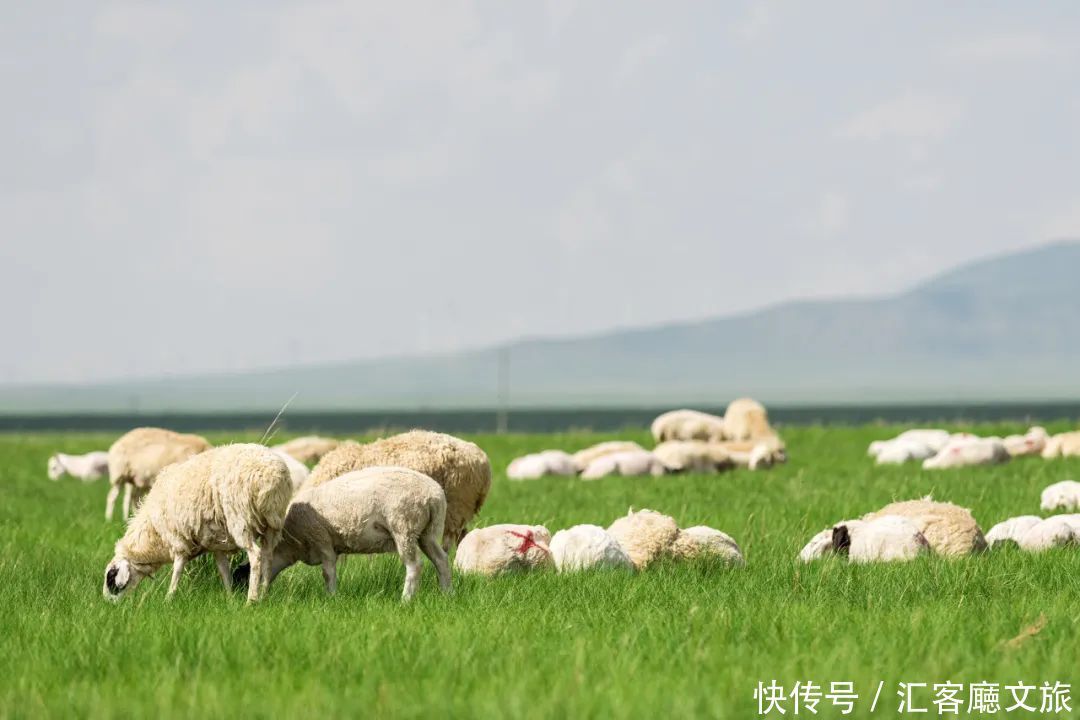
(701, 541)
(631, 463)
(541, 464)
(898, 452)
(951, 530)
(460, 467)
(582, 458)
(584, 547)
(222, 500)
(687, 425)
(886, 538)
(369, 511)
(1011, 529)
(753, 454)
(1062, 445)
(1055, 531)
(963, 452)
(499, 549)
(88, 467)
(298, 471)
(746, 419)
(137, 457)
(934, 440)
(1031, 443)
(645, 535)
(692, 456)
(308, 449)
(1064, 495)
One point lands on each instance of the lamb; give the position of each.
(645, 535)
(1012, 529)
(541, 464)
(88, 467)
(582, 458)
(631, 463)
(951, 530)
(1033, 442)
(1055, 531)
(886, 538)
(964, 452)
(1064, 495)
(695, 456)
(369, 511)
(701, 541)
(460, 467)
(500, 549)
(746, 419)
(222, 500)
(309, 448)
(298, 471)
(585, 547)
(1062, 445)
(687, 425)
(137, 457)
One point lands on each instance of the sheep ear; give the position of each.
(841, 539)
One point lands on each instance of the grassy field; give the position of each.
(690, 640)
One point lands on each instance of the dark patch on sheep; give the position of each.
(241, 574)
(841, 539)
(110, 580)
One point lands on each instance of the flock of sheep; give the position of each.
(415, 494)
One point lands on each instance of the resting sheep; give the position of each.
(137, 457)
(1012, 529)
(499, 549)
(968, 451)
(369, 511)
(932, 440)
(585, 547)
(746, 419)
(701, 541)
(460, 467)
(695, 456)
(1054, 531)
(308, 449)
(887, 538)
(632, 463)
(541, 464)
(645, 535)
(687, 425)
(1062, 445)
(1064, 495)
(226, 499)
(951, 530)
(582, 458)
(1033, 442)
(900, 451)
(88, 467)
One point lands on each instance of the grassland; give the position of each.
(681, 641)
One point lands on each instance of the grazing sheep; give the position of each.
(584, 547)
(886, 538)
(369, 511)
(687, 425)
(645, 535)
(499, 549)
(951, 530)
(692, 456)
(631, 463)
(746, 419)
(225, 499)
(298, 471)
(88, 467)
(137, 457)
(308, 449)
(1054, 531)
(1033, 442)
(1062, 445)
(541, 464)
(460, 467)
(965, 452)
(1064, 495)
(1011, 529)
(701, 541)
(582, 458)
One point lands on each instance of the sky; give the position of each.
(205, 186)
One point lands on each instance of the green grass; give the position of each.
(690, 640)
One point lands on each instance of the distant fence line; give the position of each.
(527, 420)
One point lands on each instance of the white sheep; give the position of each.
(697, 456)
(1033, 442)
(584, 547)
(951, 530)
(645, 535)
(931, 439)
(88, 467)
(226, 499)
(746, 419)
(298, 471)
(886, 538)
(900, 451)
(1012, 529)
(1054, 531)
(632, 463)
(687, 425)
(459, 466)
(137, 457)
(582, 458)
(1064, 495)
(369, 511)
(541, 464)
(499, 549)
(968, 451)
(309, 448)
(702, 541)
(1065, 444)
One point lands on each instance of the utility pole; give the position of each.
(502, 414)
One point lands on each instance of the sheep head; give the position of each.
(121, 576)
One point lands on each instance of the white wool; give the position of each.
(1011, 529)
(901, 450)
(967, 451)
(1031, 443)
(932, 439)
(888, 538)
(1056, 531)
(298, 471)
(628, 464)
(88, 467)
(1064, 495)
(704, 541)
(541, 464)
(583, 547)
(499, 549)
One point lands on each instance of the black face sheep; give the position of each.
(226, 499)
(460, 467)
(139, 455)
(888, 538)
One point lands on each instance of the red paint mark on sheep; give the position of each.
(527, 542)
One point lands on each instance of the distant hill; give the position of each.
(1004, 328)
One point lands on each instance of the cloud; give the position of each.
(1064, 225)
(1016, 46)
(640, 54)
(756, 21)
(911, 116)
(832, 214)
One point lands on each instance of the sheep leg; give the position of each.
(329, 572)
(409, 552)
(269, 542)
(177, 568)
(255, 557)
(222, 561)
(110, 501)
(438, 558)
(128, 487)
